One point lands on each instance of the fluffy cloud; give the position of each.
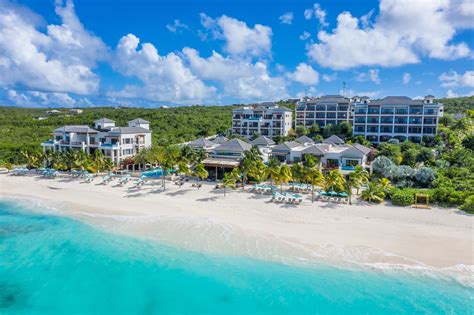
(305, 35)
(286, 18)
(176, 26)
(455, 80)
(58, 60)
(36, 98)
(461, 14)
(318, 13)
(305, 74)
(240, 39)
(239, 78)
(371, 75)
(406, 78)
(329, 77)
(452, 94)
(164, 78)
(403, 31)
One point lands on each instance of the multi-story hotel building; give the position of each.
(328, 109)
(116, 143)
(266, 119)
(397, 117)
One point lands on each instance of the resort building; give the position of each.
(397, 117)
(202, 144)
(114, 142)
(266, 119)
(342, 156)
(225, 157)
(322, 111)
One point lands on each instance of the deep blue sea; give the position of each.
(55, 265)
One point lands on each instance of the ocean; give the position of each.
(51, 264)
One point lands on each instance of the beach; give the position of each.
(248, 224)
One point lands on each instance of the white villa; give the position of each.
(332, 153)
(114, 142)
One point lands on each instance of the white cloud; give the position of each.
(60, 60)
(305, 74)
(406, 78)
(240, 39)
(461, 14)
(176, 26)
(351, 93)
(371, 75)
(404, 30)
(164, 78)
(239, 78)
(305, 35)
(308, 14)
(286, 18)
(318, 14)
(329, 77)
(37, 98)
(451, 94)
(455, 80)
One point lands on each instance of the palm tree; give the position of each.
(297, 172)
(313, 176)
(373, 193)
(361, 176)
(284, 176)
(251, 157)
(200, 172)
(230, 179)
(183, 168)
(385, 185)
(334, 180)
(33, 158)
(273, 169)
(259, 172)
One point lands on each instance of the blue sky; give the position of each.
(149, 53)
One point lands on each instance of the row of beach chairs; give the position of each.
(286, 198)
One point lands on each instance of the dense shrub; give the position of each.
(406, 196)
(468, 205)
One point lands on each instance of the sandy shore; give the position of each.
(244, 223)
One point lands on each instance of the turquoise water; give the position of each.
(55, 265)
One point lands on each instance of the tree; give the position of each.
(345, 129)
(313, 176)
(385, 185)
(33, 158)
(391, 151)
(259, 172)
(373, 193)
(381, 164)
(283, 176)
(425, 175)
(301, 131)
(314, 129)
(230, 179)
(330, 130)
(273, 169)
(310, 160)
(183, 168)
(200, 172)
(248, 162)
(359, 177)
(297, 172)
(334, 181)
(409, 157)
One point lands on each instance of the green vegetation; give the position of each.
(457, 105)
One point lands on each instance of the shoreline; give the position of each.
(378, 237)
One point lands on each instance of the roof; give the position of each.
(234, 145)
(201, 143)
(362, 148)
(262, 140)
(315, 150)
(76, 128)
(352, 151)
(397, 100)
(104, 120)
(333, 140)
(220, 162)
(286, 146)
(220, 140)
(140, 121)
(124, 130)
(304, 140)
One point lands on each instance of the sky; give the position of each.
(183, 52)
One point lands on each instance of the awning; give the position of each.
(213, 162)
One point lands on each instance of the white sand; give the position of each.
(243, 223)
